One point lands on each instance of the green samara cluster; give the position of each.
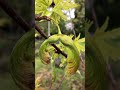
(73, 58)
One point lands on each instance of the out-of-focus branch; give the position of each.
(11, 12)
(95, 18)
(110, 74)
(90, 6)
(19, 20)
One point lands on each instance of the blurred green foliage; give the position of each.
(80, 18)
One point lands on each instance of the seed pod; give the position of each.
(73, 58)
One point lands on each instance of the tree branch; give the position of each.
(110, 74)
(19, 20)
(38, 18)
(40, 31)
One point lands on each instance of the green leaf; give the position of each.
(88, 24)
(55, 18)
(57, 1)
(41, 6)
(107, 42)
(60, 14)
(103, 27)
(80, 43)
(67, 5)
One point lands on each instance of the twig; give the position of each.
(58, 88)
(38, 18)
(40, 31)
(51, 83)
(74, 33)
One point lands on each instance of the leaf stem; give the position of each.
(59, 31)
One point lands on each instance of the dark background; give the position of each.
(10, 32)
(97, 11)
(102, 9)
